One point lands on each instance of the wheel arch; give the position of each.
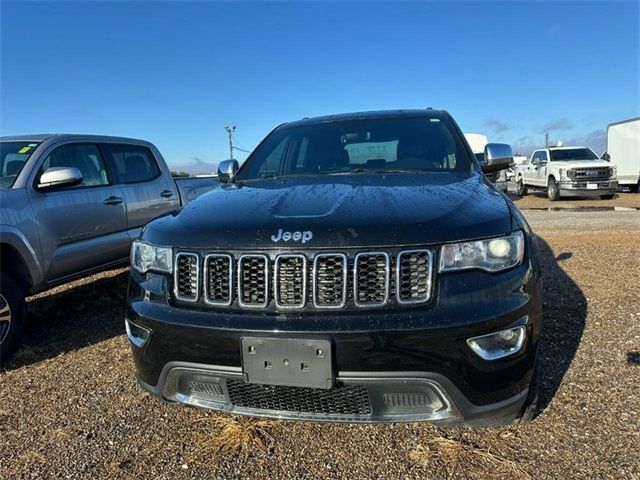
(12, 263)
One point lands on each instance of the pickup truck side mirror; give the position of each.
(606, 157)
(227, 170)
(59, 177)
(497, 156)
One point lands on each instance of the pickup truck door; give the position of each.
(81, 228)
(541, 170)
(148, 191)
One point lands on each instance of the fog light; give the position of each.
(494, 346)
(136, 334)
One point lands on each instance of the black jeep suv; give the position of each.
(357, 268)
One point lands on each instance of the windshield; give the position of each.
(13, 156)
(573, 154)
(380, 145)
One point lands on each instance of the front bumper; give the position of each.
(579, 188)
(408, 364)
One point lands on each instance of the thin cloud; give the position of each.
(559, 124)
(496, 125)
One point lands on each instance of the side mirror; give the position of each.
(227, 170)
(59, 177)
(606, 157)
(497, 156)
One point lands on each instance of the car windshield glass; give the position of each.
(364, 145)
(13, 156)
(573, 154)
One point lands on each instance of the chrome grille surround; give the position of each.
(183, 261)
(260, 292)
(304, 281)
(331, 289)
(366, 282)
(424, 281)
(228, 288)
(295, 286)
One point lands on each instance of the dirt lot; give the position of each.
(70, 407)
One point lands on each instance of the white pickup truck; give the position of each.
(567, 171)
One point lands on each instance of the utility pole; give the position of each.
(230, 131)
(546, 139)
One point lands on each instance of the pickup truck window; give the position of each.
(13, 156)
(361, 145)
(83, 156)
(573, 154)
(133, 163)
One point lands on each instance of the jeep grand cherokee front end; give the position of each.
(358, 268)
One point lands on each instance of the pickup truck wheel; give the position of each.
(553, 193)
(521, 190)
(11, 314)
(606, 197)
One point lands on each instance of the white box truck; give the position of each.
(623, 150)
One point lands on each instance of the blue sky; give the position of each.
(175, 73)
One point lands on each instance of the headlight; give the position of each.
(613, 171)
(145, 257)
(571, 173)
(492, 254)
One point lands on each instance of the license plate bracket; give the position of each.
(592, 186)
(287, 361)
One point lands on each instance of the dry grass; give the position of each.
(449, 458)
(237, 436)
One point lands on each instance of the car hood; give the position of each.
(580, 164)
(338, 211)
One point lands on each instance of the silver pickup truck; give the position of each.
(70, 206)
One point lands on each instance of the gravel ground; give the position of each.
(70, 407)
(537, 199)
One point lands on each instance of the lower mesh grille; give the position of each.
(340, 400)
(413, 276)
(186, 277)
(205, 388)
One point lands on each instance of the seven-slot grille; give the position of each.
(253, 281)
(293, 281)
(218, 279)
(187, 277)
(290, 281)
(413, 276)
(371, 279)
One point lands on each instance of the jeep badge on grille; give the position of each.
(303, 237)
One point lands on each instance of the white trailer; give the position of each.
(623, 149)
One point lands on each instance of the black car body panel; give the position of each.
(392, 361)
(341, 211)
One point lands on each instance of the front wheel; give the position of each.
(521, 189)
(11, 315)
(607, 197)
(553, 193)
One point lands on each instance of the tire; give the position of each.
(521, 189)
(553, 193)
(607, 197)
(11, 315)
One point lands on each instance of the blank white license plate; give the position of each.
(592, 186)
